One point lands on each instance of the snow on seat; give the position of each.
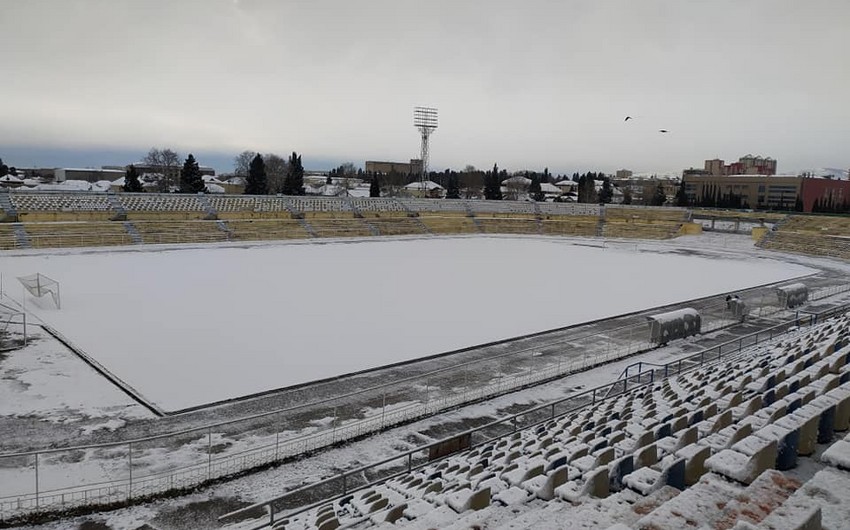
(543, 486)
(695, 456)
(669, 472)
(787, 443)
(727, 437)
(516, 475)
(467, 499)
(746, 460)
(806, 421)
(838, 454)
(594, 484)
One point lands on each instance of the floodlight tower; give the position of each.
(424, 119)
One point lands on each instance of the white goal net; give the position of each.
(39, 285)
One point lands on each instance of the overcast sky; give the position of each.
(525, 84)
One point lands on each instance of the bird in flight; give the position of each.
(627, 118)
(663, 130)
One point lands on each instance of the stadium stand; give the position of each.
(508, 225)
(570, 226)
(53, 206)
(711, 447)
(77, 234)
(448, 223)
(648, 223)
(812, 235)
(378, 207)
(397, 226)
(266, 229)
(154, 206)
(362, 217)
(248, 206)
(161, 232)
(8, 240)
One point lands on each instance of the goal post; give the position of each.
(39, 285)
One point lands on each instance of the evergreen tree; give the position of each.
(4, 169)
(191, 180)
(627, 196)
(453, 187)
(681, 196)
(546, 176)
(606, 195)
(293, 184)
(131, 181)
(590, 189)
(798, 204)
(534, 189)
(660, 197)
(257, 182)
(375, 187)
(492, 185)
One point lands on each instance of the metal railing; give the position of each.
(356, 479)
(102, 474)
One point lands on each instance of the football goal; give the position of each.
(39, 285)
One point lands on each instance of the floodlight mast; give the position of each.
(424, 119)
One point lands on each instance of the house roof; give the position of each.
(428, 185)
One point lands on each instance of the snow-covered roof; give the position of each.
(545, 187)
(236, 181)
(214, 188)
(522, 181)
(566, 182)
(10, 178)
(428, 184)
(210, 178)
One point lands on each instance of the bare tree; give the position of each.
(166, 162)
(242, 163)
(276, 168)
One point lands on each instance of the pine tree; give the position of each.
(660, 197)
(131, 181)
(453, 187)
(375, 187)
(257, 183)
(492, 185)
(546, 176)
(681, 196)
(606, 195)
(534, 189)
(4, 169)
(191, 180)
(293, 184)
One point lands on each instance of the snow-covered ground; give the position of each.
(236, 321)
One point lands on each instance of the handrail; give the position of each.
(513, 419)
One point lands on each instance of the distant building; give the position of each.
(425, 190)
(623, 174)
(414, 167)
(770, 191)
(746, 165)
(173, 172)
(86, 174)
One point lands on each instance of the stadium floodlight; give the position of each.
(424, 119)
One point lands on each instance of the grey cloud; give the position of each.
(521, 83)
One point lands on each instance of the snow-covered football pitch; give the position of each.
(186, 327)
